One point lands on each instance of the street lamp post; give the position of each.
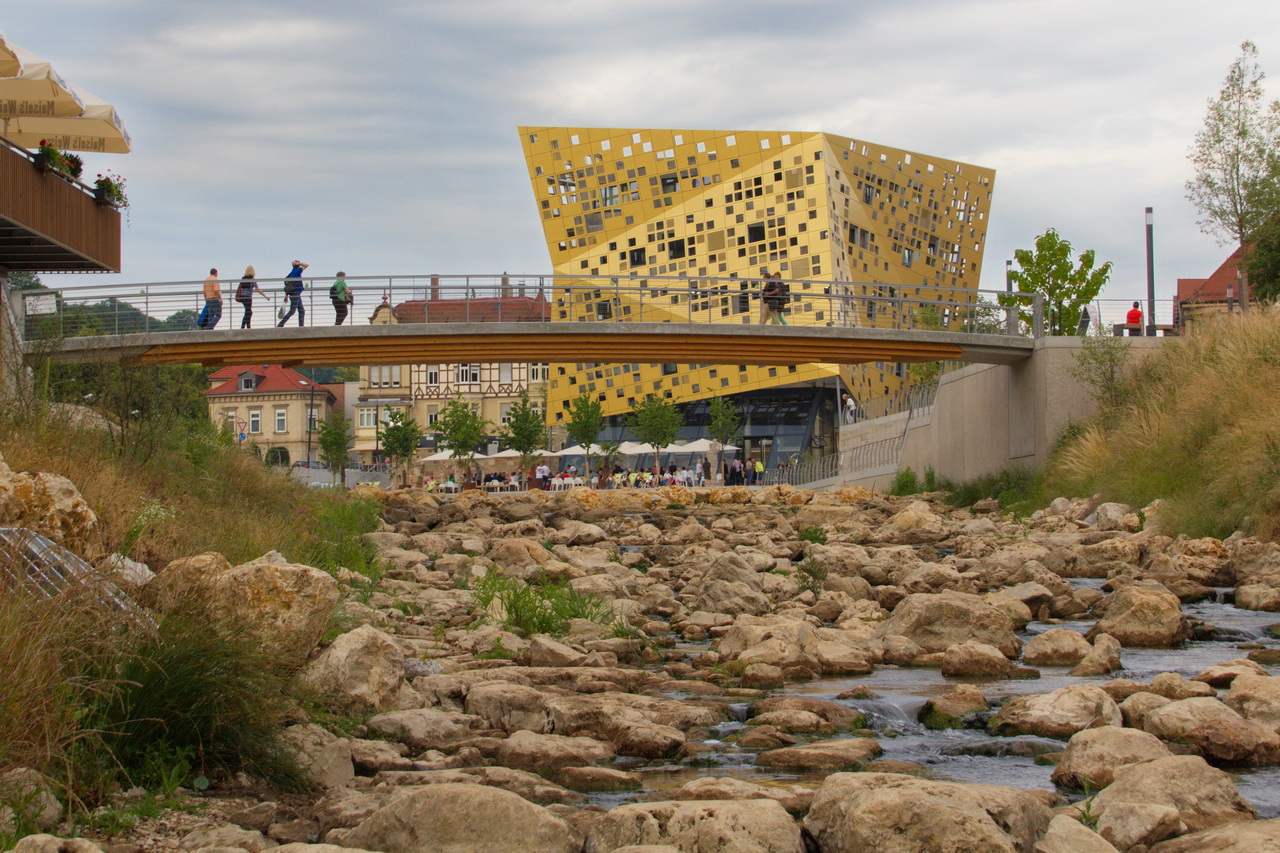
(1151, 277)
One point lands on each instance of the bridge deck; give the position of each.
(600, 342)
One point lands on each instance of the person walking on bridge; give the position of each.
(244, 295)
(212, 312)
(293, 290)
(772, 300)
(341, 297)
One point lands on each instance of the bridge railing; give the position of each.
(96, 309)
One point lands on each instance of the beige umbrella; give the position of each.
(99, 128)
(35, 89)
(9, 62)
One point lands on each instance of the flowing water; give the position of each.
(972, 755)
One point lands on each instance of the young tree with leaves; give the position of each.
(335, 441)
(526, 430)
(400, 439)
(1237, 161)
(724, 425)
(655, 420)
(1264, 261)
(586, 419)
(461, 429)
(1067, 285)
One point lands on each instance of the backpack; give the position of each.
(333, 292)
(293, 287)
(784, 293)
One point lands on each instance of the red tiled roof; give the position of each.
(1213, 288)
(506, 309)
(270, 377)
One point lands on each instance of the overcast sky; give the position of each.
(380, 137)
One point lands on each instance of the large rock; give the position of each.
(1056, 647)
(916, 524)
(54, 844)
(1093, 756)
(1256, 698)
(935, 621)
(724, 826)
(50, 505)
(1143, 613)
(33, 793)
(974, 659)
(461, 818)
(286, 606)
(1260, 836)
(1059, 714)
(1214, 731)
(891, 813)
(423, 728)
(361, 672)
(324, 756)
(825, 755)
(1203, 796)
(1068, 835)
(547, 753)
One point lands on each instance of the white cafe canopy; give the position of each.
(98, 129)
(579, 450)
(634, 448)
(33, 88)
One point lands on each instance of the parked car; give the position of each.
(310, 464)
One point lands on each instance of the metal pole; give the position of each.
(1151, 278)
(1011, 313)
(311, 407)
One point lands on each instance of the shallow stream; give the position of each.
(971, 755)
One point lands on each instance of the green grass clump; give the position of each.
(905, 482)
(816, 535)
(812, 574)
(539, 608)
(1018, 489)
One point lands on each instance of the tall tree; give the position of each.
(335, 440)
(1264, 261)
(1067, 285)
(526, 430)
(1237, 161)
(400, 439)
(586, 419)
(655, 420)
(461, 429)
(724, 425)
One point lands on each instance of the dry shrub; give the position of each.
(1202, 432)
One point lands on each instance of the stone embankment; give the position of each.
(613, 735)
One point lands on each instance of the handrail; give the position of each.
(97, 309)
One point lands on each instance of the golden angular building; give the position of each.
(831, 214)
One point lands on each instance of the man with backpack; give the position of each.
(293, 290)
(341, 297)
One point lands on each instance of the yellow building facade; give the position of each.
(829, 213)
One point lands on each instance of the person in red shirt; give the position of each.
(1134, 318)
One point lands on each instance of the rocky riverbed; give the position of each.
(776, 670)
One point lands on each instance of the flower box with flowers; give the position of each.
(109, 189)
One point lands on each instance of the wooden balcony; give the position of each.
(50, 223)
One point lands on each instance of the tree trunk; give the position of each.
(1244, 278)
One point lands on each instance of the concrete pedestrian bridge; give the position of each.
(468, 319)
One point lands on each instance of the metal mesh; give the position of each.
(31, 562)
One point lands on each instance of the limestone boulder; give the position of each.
(1136, 706)
(539, 753)
(823, 755)
(226, 837)
(545, 651)
(1060, 713)
(285, 605)
(35, 793)
(1093, 756)
(916, 524)
(860, 812)
(1056, 647)
(1144, 613)
(50, 505)
(461, 818)
(421, 729)
(935, 621)
(325, 757)
(1222, 674)
(974, 659)
(41, 843)
(1068, 835)
(1104, 657)
(731, 826)
(1251, 836)
(1139, 825)
(509, 707)
(1214, 731)
(361, 672)
(1256, 698)
(1202, 796)
(794, 798)
(962, 708)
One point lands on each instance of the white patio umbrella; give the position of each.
(579, 450)
(33, 88)
(441, 456)
(505, 454)
(97, 128)
(9, 62)
(635, 448)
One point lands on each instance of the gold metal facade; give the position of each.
(839, 214)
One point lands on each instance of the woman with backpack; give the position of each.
(341, 297)
(244, 295)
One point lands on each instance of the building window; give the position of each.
(505, 413)
(433, 415)
(367, 417)
(466, 374)
(311, 419)
(504, 373)
(539, 372)
(433, 374)
(282, 420)
(384, 376)
(255, 422)
(246, 383)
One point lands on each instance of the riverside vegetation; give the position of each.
(716, 668)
